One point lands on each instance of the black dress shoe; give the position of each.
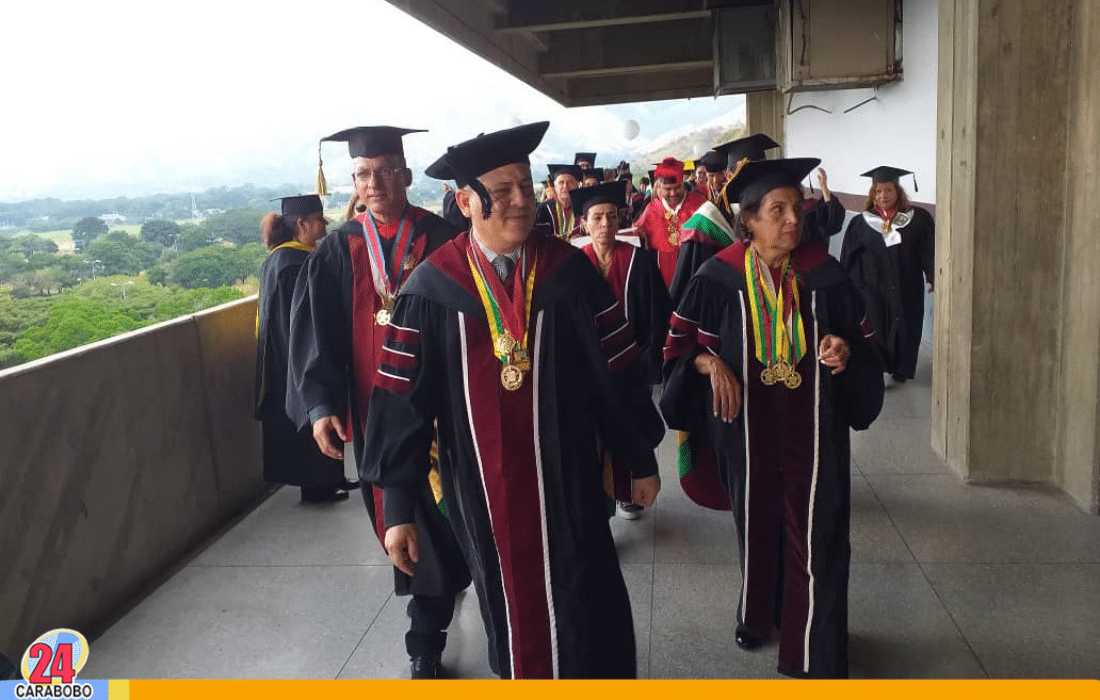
(348, 485)
(747, 641)
(426, 667)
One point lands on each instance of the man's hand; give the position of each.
(402, 548)
(323, 429)
(446, 187)
(724, 385)
(834, 352)
(823, 184)
(644, 491)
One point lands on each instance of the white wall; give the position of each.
(898, 129)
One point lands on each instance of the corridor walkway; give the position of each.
(948, 581)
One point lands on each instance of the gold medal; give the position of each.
(505, 344)
(511, 377)
(782, 370)
(767, 376)
(673, 237)
(793, 380)
(382, 317)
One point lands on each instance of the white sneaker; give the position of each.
(628, 511)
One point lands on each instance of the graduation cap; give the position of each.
(464, 162)
(590, 158)
(365, 142)
(652, 175)
(670, 169)
(597, 173)
(886, 173)
(565, 169)
(713, 161)
(758, 177)
(749, 148)
(584, 198)
(300, 205)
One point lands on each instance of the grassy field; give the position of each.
(64, 239)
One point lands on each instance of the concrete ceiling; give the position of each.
(588, 52)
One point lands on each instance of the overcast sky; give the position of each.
(132, 97)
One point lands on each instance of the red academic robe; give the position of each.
(659, 229)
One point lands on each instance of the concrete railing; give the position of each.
(118, 459)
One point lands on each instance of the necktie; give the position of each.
(503, 265)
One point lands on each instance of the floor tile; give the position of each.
(874, 537)
(244, 622)
(901, 446)
(898, 628)
(1026, 620)
(945, 521)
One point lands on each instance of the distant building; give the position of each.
(113, 219)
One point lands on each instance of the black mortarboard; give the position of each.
(565, 169)
(590, 157)
(758, 177)
(365, 142)
(713, 161)
(652, 175)
(372, 141)
(300, 205)
(597, 173)
(750, 147)
(464, 162)
(604, 193)
(886, 173)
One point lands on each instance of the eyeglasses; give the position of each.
(385, 172)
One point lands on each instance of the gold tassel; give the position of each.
(322, 186)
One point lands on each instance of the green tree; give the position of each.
(86, 230)
(157, 275)
(120, 253)
(72, 322)
(192, 237)
(160, 231)
(212, 266)
(31, 244)
(249, 258)
(238, 226)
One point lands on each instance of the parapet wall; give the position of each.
(118, 459)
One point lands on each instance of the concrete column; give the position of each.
(764, 112)
(1015, 244)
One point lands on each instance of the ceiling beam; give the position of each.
(557, 15)
(641, 87)
(628, 49)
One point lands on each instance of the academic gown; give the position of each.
(659, 229)
(785, 458)
(636, 282)
(820, 221)
(520, 468)
(550, 217)
(335, 350)
(290, 455)
(889, 269)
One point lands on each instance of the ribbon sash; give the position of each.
(507, 314)
(776, 318)
(385, 283)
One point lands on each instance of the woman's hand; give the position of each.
(725, 387)
(834, 352)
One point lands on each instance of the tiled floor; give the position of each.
(947, 581)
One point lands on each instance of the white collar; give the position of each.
(491, 254)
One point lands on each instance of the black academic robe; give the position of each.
(785, 458)
(547, 215)
(636, 281)
(821, 220)
(520, 468)
(334, 353)
(290, 455)
(889, 269)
